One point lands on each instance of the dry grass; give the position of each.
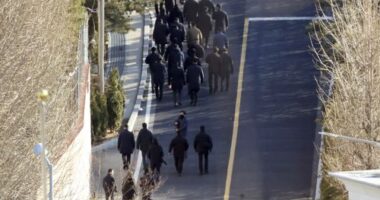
(38, 49)
(349, 53)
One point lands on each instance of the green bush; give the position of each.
(115, 99)
(99, 114)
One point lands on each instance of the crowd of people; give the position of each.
(168, 60)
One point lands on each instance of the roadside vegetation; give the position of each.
(38, 48)
(347, 54)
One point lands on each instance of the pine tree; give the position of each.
(115, 100)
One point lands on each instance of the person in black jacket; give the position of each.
(178, 81)
(175, 13)
(169, 5)
(159, 71)
(160, 34)
(174, 58)
(156, 156)
(195, 78)
(177, 36)
(206, 4)
(227, 68)
(214, 62)
(179, 147)
(190, 10)
(152, 59)
(126, 145)
(191, 57)
(144, 140)
(204, 23)
(203, 146)
(109, 185)
(221, 19)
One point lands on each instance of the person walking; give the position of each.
(226, 70)
(128, 188)
(144, 141)
(169, 5)
(191, 57)
(182, 123)
(194, 35)
(179, 147)
(175, 13)
(221, 40)
(195, 78)
(206, 4)
(175, 59)
(159, 71)
(177, 36)
(214, 64)
(204, 23)
(160, 34)
(156, 156)
(126, 145)
(203, 146)
(109, 185)
(152, 59)
(198, 49)
(221, 19)
(178, 81)
(190, 10)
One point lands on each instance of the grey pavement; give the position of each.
(125, 51)
(275, 148)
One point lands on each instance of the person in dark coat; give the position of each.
(214, 62)
(152, 59)
(203, 146)
(206, 4)
(109, 185)
(227, 68)
(204, 23)
(126, 145)
(179, 147)
(191, 58)
(177, 36)
(190, 10)
(195, 78)
(221, 19)
(159, 71)
(156, 156)
(174, 58)
(144, 140)
(220, 40)
(169, 5)
(160, 34)
(178, 81)
(128, 190)
(175, 13)
(162, 12)
(198, 49)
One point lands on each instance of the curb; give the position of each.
(146, 35)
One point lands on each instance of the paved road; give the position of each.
(275, 140)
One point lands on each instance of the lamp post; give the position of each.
(101, 43)
(43, 97)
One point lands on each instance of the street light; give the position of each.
(43, 97)
(38, 150)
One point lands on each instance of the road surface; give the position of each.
(274, 140)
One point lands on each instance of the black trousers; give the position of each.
(178, 161)
(158, 90)
(213, 82)
(225, 79)
(155, 166)
(203, 156)
(177, 96)
(126, 159)
(193, 93)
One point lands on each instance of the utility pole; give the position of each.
(101, 44)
